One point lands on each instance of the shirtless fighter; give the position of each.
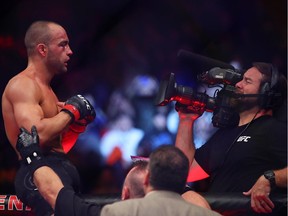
(28, 99)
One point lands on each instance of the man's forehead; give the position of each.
(58, 33)
(253, 72)
(60, 39)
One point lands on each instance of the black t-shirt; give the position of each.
(236, 157)
(68, 203)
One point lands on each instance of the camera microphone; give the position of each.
(202, 62)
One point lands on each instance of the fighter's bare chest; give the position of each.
(48, 104)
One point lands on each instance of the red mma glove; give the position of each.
(78, 107)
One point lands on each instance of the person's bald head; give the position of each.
(39, 32)
(133, 186)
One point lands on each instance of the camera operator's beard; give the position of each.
(245, 104)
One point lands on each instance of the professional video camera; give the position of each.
(222, 104)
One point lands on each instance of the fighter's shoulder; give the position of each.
(21, 82)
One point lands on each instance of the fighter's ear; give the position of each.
(42, 49)
(125, 193)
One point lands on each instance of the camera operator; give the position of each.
(251, 157)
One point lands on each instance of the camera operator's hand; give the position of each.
(197, 110)
(29, 149)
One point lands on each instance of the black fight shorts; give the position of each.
(28, 193)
